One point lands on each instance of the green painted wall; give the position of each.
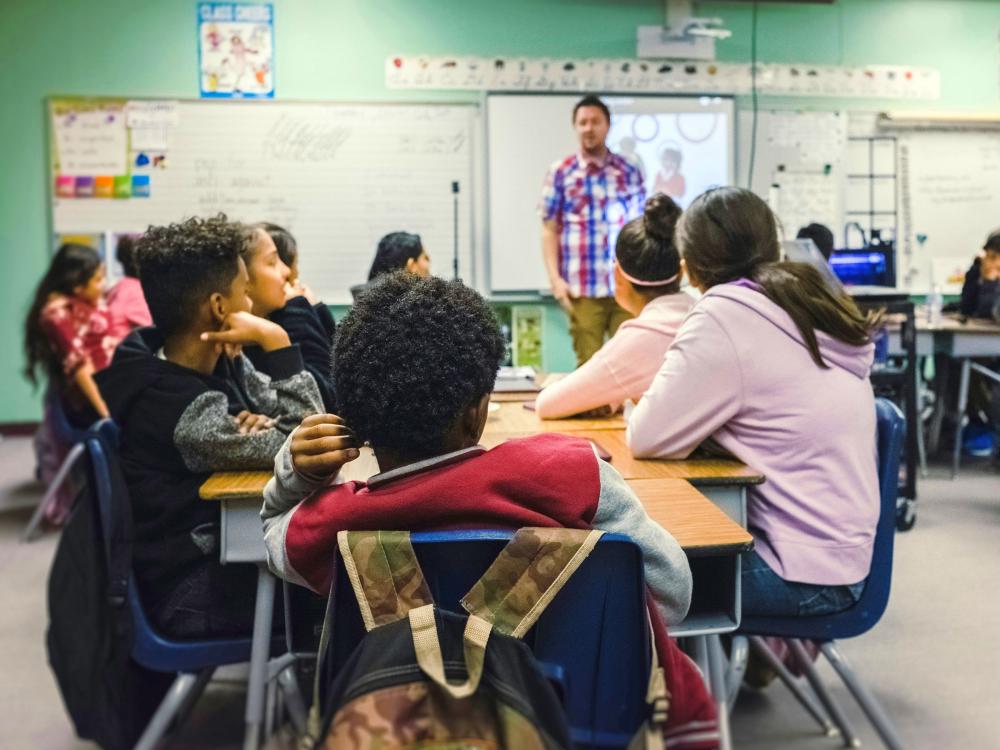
(334, 49)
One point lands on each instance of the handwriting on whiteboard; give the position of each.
(297, 139)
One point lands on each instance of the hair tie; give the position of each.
(641, 282)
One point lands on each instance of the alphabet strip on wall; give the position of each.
(658, 76)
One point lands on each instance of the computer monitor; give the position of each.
(871, 266)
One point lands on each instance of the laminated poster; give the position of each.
(528, 336)
(90, 139)
(236, 50)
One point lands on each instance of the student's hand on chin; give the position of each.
(246, 329)
(321, 445)
(308, 293)
(298, 289)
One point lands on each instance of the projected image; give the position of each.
(681, 154)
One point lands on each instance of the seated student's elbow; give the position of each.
(543, 406)
(547, 406)
(643, 444)
(647, 437)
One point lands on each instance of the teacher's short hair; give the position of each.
(592, 101)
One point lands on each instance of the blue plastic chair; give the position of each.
(66, 434)
(860, 618)
(592, 642)
(192, 661)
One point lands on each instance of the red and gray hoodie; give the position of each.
(543, 480)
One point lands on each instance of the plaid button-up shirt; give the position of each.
(590, 203)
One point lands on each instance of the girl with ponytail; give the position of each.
(772, 364)
(647, 275)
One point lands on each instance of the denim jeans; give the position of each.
(765, 593)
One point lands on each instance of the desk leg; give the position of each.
(260, 653)
(917, 395)
(963, 398)
(717, 680)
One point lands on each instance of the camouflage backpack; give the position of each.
(424, 677)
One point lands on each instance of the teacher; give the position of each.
(588, 197)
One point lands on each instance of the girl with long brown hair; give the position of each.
(772, 364)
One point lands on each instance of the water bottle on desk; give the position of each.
(934, 304)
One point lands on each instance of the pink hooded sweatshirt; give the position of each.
(624, 367)
(739, 372)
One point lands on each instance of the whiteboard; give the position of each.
(798, 165)
(338, 176)
(950, 200)
(526, 134)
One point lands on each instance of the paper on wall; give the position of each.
(150, 138)
(91, 141)
(149, 113)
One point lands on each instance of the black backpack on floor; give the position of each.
(108, 697)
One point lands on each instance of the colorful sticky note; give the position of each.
(65, 186)
(140, 186)
(123, 186)
(84, 187)
(104, 186)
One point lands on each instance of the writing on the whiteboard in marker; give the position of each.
(296, 139)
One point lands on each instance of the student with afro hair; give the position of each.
(415, 361)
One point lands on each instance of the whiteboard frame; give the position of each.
(478, 152)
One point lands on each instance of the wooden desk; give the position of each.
(512, 397)
(541, 380)
(512, 417)
(973, 338)
(699, 526)
(961, 341)
(249, 485)
(698, 471)
(235, 485)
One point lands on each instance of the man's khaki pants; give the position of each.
(590, 319)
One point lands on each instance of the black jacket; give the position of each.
(311, 327)
(177, 428)
(979, 298)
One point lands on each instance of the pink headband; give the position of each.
(641, 282)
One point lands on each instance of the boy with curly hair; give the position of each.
(415, 361)
(189, 404)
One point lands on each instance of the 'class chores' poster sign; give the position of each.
(236, 50)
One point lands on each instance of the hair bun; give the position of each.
(660, 217)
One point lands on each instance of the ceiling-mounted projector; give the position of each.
(682, 35)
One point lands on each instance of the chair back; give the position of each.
(64, 431)
(592, 641)
(149, 648)
(891, 431)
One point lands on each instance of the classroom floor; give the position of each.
(932, 660)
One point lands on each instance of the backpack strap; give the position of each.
(649, 736)
(427, 646)
(526, 576)
(384, 574)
